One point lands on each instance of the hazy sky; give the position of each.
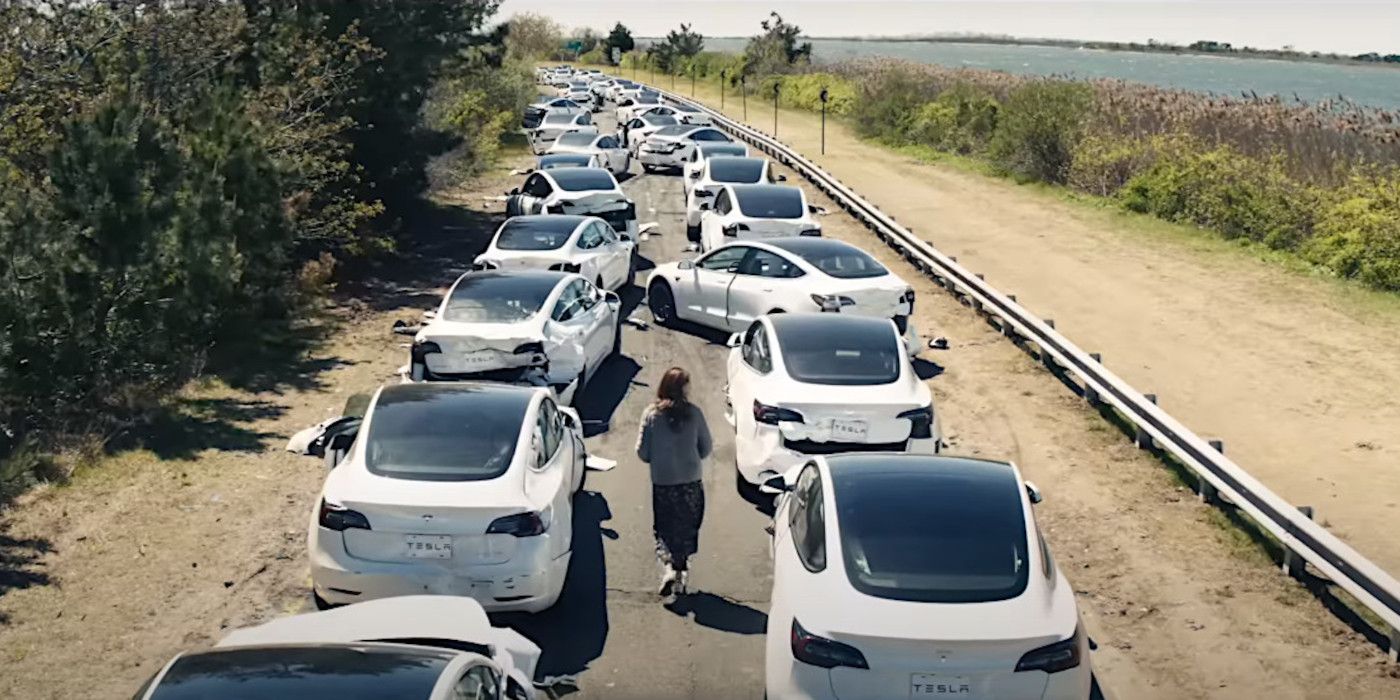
(1349, 26)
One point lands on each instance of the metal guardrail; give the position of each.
(1303, 540)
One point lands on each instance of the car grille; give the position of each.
(811, 447)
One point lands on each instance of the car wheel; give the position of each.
(662, 304)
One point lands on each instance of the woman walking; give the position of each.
(675, 440)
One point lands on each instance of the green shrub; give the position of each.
(961, 120)
(1221, 189)
(1357, 234)
(1039, 127)
(804, 91)
(887, 106)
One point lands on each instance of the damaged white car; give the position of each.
(555, 124)
(583, 244)
(426, 647)
(542, 328)
(591, 191)
(606, 147)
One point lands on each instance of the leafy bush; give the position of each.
(1357, 234)
(887, 106)
(1040, 125)
(961, 120)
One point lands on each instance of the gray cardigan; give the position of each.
(675, 454)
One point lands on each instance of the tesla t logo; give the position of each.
(427, 518)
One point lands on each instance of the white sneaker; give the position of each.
(668, 581)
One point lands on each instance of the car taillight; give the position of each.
(527, 524)
(825, 653)
(810, 232)
(832, 302)
(340, 518)
(1053, 658)
(920, 421)
(772, 415)
(555, 208)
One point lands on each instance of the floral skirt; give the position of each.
(676, 515)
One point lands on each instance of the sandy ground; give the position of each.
(163, 549)
(1295, 374)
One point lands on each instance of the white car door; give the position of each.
(551, 478)
(749, 366)
(713, 220)
(704, 296)
(595, 263)
(619, 257)
(763, 284)
(617, 157)
(799, 549)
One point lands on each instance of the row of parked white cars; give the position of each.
(897, 571)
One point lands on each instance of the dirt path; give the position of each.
(1296, 374)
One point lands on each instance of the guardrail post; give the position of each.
(1394, 644)
(1142, 438)
(1204, 489)
(1045, 359)
(1292, 563)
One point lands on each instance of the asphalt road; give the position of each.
(609, 627)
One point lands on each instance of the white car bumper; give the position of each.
(530, 582)
(769, 454)
(663, 160)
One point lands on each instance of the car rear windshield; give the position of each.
(564, 160)
(935, 537)
(662, 120)
(577, 139)
(559, 118)
(498, 298)
(580, 179)
(771, 202)
(710, 150)
(433, 432)
(536, 233)
(842, 261)
(296, 673)
(819, 354)
(745, 170)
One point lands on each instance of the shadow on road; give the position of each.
(183, 427)
(20, 566)
(719, 613)
(572, 633)
(605, 392)
(926, 370)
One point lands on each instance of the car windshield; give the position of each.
(932, 535)
(664, 121)
(445, 432)
(498, 298)
(360, 672)
(536, 232)
(837, 259)
(745, 170)
(577, 139)
(580, 179)
(647, 98)
(775, 202)
(856, 353)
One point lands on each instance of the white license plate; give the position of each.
(849, 430)
(938, 685)
(428, 546)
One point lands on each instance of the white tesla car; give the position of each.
(812, 383)
(545, 328)
(583, 244)
(592, 191)
(620, 85)
(901, 576)
(709, 150)
(671, 146)
(462, 488)
(423, 647)
(731, 286)
(634, 131)
(606, 147)
(535, 113)
(556, 123)
(756, 212)
(690, 114)
(704, 182)
(634, 105)
(551, 161)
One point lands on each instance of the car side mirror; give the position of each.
(705, 206)
(685, 265)
(1033, 493)
(774, 486)
(735, 340)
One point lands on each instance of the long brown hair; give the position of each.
(671, 400)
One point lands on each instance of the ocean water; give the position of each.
(1376, 86)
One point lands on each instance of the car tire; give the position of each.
(662, 304)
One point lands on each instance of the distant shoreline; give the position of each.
(1203, 48)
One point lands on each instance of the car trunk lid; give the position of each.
(426, 522)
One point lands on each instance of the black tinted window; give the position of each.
(932, 535)
(498, 298)
(767, 202)
(577, 138)
(742, 170)
(579, 179)
(661, 120)
(297, 673)
(567, 160)
(818, 353)
(444, 433)
(536, 233)
(709, 135)
(835, 258)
